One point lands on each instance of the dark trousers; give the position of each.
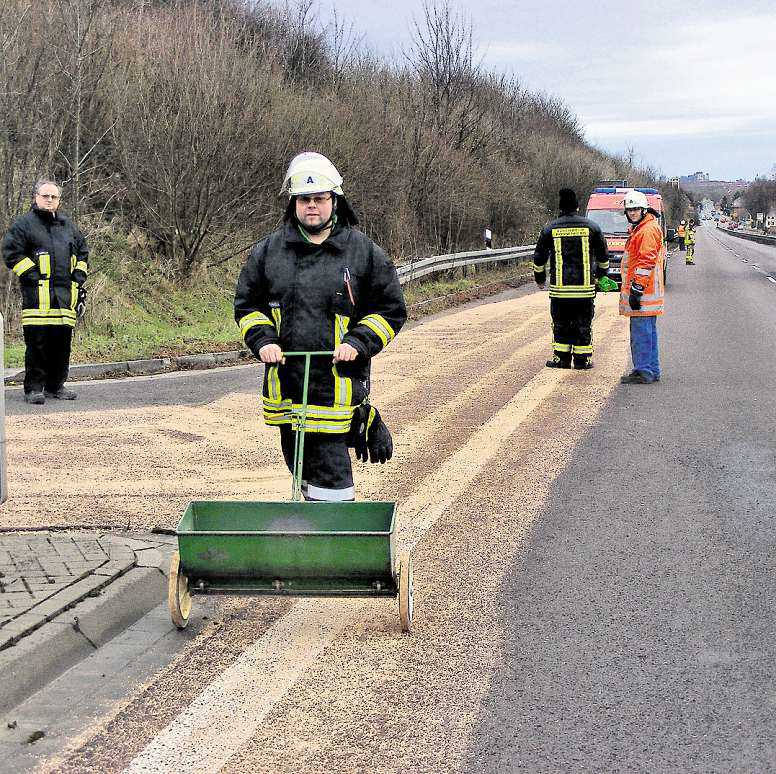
(327, 472)
(47, 357)
(572, 328)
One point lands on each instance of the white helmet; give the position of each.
(310, 173)
(634, 199)
(683, 223)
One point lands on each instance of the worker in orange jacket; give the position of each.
(680, 232)
(641, 295)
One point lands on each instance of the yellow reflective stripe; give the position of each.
(561, 347)
(73, 294)
(570, 232)
(558, 259)
(582, 349)
(73, 259)
(49, 317)
(44, 261)
(277, 318)
(44, 299)
(273, 383)
(380, 326)
(24, 265)
(586, 262)
(251, 320)
(343, 386)
(538, 269)
(81, 266)
(572, 294)
(603, 264)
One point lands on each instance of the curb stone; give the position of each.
(146, 367)
(71, 624)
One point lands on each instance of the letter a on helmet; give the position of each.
(310, 173)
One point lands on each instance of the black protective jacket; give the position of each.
(307, 297)
(576, 250)
(49, 255)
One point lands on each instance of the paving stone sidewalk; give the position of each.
(43, 574)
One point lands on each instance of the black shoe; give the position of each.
(556, 362)
(636, 377)
(583, 365)
(61, 394)
(38, 398)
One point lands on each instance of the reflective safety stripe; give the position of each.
(24, 265)
(48, 317)
(570, 232)
(558, 289)
(538, 269)
(572, 291)
(273, 379)
(586, 262)
(73, 294)
(582, 349)
(343, 386)
(558, 262)
(603, 264)
(81, 266)
(380, 326)
(330, 495)
(320, 419)
(558, 347)
(251, 320)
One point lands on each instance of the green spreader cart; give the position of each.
(296, 548)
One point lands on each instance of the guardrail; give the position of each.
(436, 263)
(763, 239)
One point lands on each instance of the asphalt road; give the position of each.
(595, 562)
(641, 613)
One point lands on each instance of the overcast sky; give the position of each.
(689, 86)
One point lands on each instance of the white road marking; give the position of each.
(771, 279)
(228, 712)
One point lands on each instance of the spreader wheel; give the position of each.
(405, 591)
(178, 596)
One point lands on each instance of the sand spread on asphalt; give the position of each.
(372, 698)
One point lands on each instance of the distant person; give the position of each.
(317, 283)
(575, 248)
(689, 244)
(48, 253)
(641, 295)
(680, 233)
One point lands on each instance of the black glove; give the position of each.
(634, 297)
(80, 304)
(369, 435)
(540, 277)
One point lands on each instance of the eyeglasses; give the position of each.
(48, 196)
(316, 200)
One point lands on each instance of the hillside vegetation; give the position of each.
(170, 125)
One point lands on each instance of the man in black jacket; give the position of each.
(48, 253)
(318, 284)
(576, 250)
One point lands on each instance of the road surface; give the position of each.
(595, 563)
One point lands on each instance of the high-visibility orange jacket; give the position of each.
(680, 232)
(643, 262)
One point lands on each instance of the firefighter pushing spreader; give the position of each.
(315, 301)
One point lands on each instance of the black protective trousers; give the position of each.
(572, 328)
(47, 357)
(327, 471)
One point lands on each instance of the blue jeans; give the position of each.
(643, 337)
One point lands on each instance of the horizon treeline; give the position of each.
(171, 123)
